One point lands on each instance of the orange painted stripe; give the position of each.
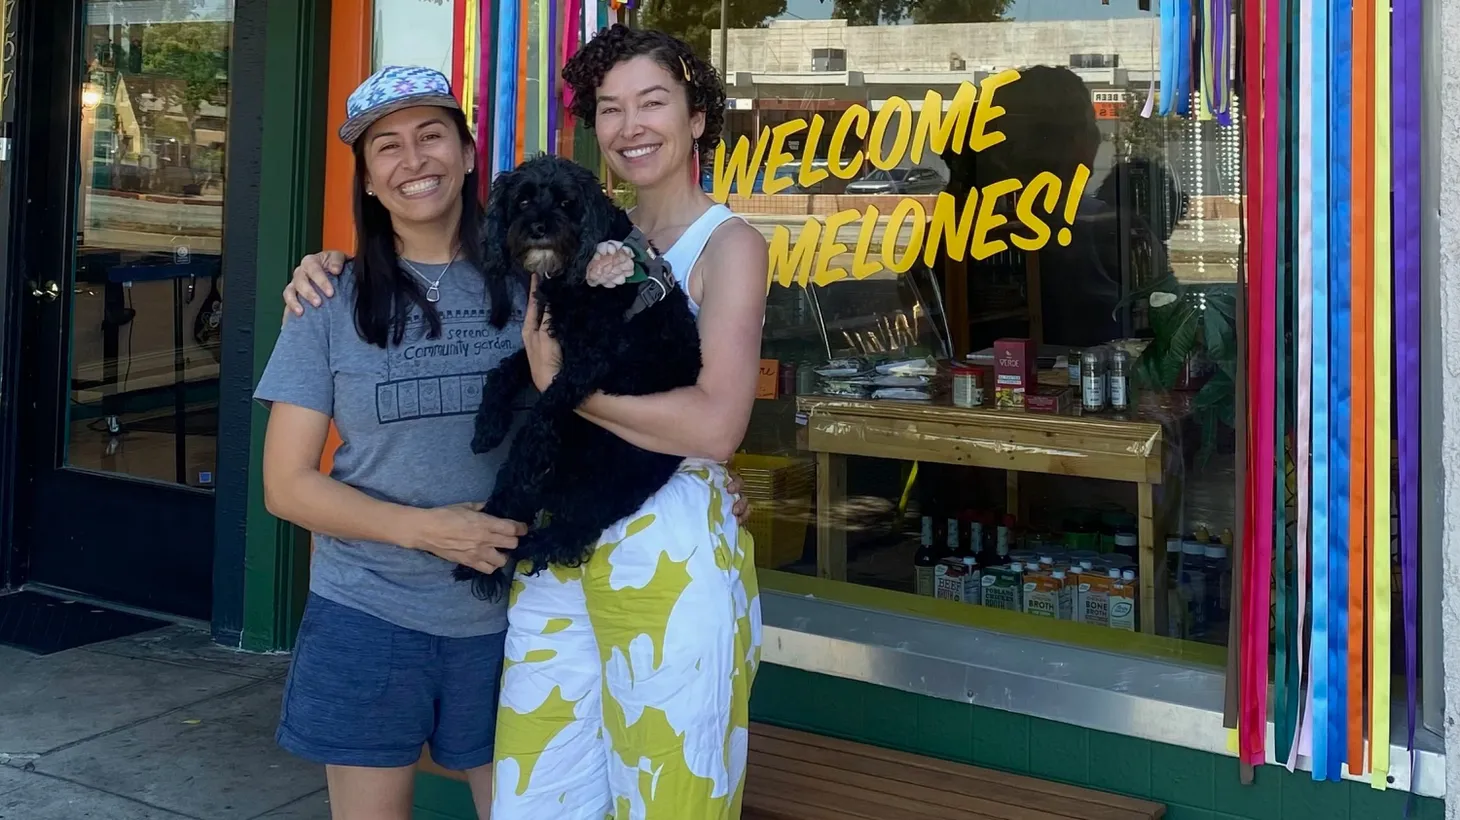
(351, 30)
(1360, 559)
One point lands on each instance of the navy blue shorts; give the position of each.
(365, 692)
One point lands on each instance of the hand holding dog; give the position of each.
(611, 266)
(461, 534)
(544, 355)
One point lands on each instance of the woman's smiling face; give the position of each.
(643, 122)
(415, 162)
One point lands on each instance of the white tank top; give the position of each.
(686, 250)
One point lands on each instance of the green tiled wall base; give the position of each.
(439, 798)
(1193, 785)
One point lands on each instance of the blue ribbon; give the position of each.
(504, 136)
(1168, 56)
(1340, 86)
(1182, 89)
(1318, 659)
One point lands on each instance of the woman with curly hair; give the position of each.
(627, 681)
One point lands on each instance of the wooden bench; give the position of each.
(798, 776)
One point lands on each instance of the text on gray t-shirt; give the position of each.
(405, 416)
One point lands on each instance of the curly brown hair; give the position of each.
(584, 72)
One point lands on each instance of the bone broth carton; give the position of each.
(1003, 587)
(1092, 598)
(1049, 594)
(957, 579)
(1123, 595)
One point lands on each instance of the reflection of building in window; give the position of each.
(824, 66)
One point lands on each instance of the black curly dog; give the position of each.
(547, 217)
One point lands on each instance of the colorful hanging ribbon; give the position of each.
(1408, 51)
(1320, 695)
(1278, 76)
(485, 82)
(1379, 459)
(504, 137)
(1304, 386)
(1360, 350)
(1261, 219)
(552, 45)
(1340, 88)
(524, 20)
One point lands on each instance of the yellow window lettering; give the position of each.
(987, 112)
(881, 155)
(942, 135)
(826, 273)
(1046, 185)
(982, 248)
(907, 210)
(862, 267)
(740, 167)
(810, 175)
(951, 227)
(855, 117)
(792, 263)
(778, 157)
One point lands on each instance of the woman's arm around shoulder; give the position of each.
(709, 419)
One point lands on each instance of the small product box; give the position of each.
(1016, 363)
(1123, 602)
(1003, 587)
(957, 579)
(1046, 399)
(1048, 594)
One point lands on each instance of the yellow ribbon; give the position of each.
(1383, 340)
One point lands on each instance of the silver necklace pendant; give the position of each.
(433, 289)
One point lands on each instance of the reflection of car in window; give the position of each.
(898, 181)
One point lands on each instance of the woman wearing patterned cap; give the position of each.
(393, 654)
(626, 692)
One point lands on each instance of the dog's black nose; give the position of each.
(538, 230)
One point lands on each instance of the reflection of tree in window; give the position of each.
(873, 12)
(186, 62)
(693, 20)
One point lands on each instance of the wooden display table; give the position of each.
(1088, 447)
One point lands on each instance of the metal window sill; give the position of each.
(1148, 699)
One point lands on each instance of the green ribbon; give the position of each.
(1286, 684)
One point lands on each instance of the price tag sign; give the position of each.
(767, 384)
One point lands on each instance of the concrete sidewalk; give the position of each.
(159, 726)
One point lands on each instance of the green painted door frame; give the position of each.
(277, 169)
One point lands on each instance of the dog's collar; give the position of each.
(651, 274)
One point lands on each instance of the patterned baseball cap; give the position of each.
(391, 89)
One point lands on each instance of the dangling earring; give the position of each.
(695, 170)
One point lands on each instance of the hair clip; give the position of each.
(684, 65)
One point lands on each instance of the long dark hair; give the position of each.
(384, 294)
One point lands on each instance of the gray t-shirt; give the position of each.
(405, 416)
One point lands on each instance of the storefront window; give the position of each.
(147, 308)
(1000, 348)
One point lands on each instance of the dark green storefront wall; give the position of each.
(1193, 785)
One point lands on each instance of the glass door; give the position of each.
(123, 282)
